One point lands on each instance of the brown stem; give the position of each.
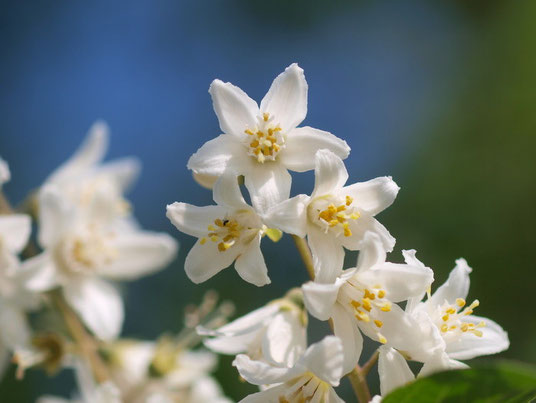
(370, 363)
(86, 343)
(359, 383)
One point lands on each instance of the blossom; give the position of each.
(229, 232)
(276, 332)
(335, 216)
(263, 142)
(312, 378)
(5, 174)
(83, 175)
(364, 299)
(81, 246)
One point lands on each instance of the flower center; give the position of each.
(364, 304)
(306, 388)
(265, 141)
(87, 252)
(452, 322)
(228, 231)
(334, 214)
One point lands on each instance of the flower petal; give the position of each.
(330, 173)
(289, 216)
(393, 370)
(261, 373)
(15, 230)
(268, 184)
(99, 305)
(123, 172)
(5, 174)
(15, 332)
(320, 298)
(204, 261)
(440, 362)
(494, 340)
(55, 215)
(325, 359)
(371, 253)
(216, 155)
(40, 273)
(456, 286)
(139, 254)
(345, 328)
(236, 111)
(90, 152)
(250, 264)
(245, 324)
(193, 220)
(374, 195)
(270, 395)
(303, 143)
(226, 192)
(286, 99)
(285, 339)
(328, 255)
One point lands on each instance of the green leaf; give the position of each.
(503, 381)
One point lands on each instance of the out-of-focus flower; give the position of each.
(276, 333)
(81, 246)
(5, 174)
(229, 232)
(364, 298)
(312, 378)
(263, 142)
(335, 216)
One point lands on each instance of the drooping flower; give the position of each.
(263, 142)
(312, 378)
(81, 247)
(364, 299)
(276, 333)
(335, 216)
(229, 232)
(84, 174)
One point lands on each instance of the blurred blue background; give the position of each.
(439, 95)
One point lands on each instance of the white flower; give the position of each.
(447, 314)
(84, 174)
(393, 370)
(262, 143)
(364, 299)
(90, 392)
(15, 300)
(80, 247)
(5, 175)
(335, 216)
(312, 378)
(276, 332)
(229, 232)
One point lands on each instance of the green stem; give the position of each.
(305, 254)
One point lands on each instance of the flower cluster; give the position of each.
(376, 298)
(87, 241)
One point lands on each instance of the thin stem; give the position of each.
(370, 363)
(359, 383)
(305, 254)
(86, 343)
(5, 206)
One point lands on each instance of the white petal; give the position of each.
(371, 252)
(90, 152)
(14, 231)
(330, 173)
(227, 192)
(193, 220)
(345, 328)
(393, 369)
(261, 373)
(5, 174)
(55, 215)
(333, 397)
(245, 324)
(99, 305)
(440, 362)
(320, 298)
(268, 184)
(204, 261)
(139, 254)
(374, 195)
(289, 216)
(207, 389)
(250, 264)
(40, 272)
(235, 110)
(325, 359)
(15, 332)
(367, 223)
(207, 181)
(285, 339)
(400, 281)
(494, 340)
(270, 395)
(303, 143)
(328, 256)
(123, 172)
(456, 286)
(217, 155)
(286, 99)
